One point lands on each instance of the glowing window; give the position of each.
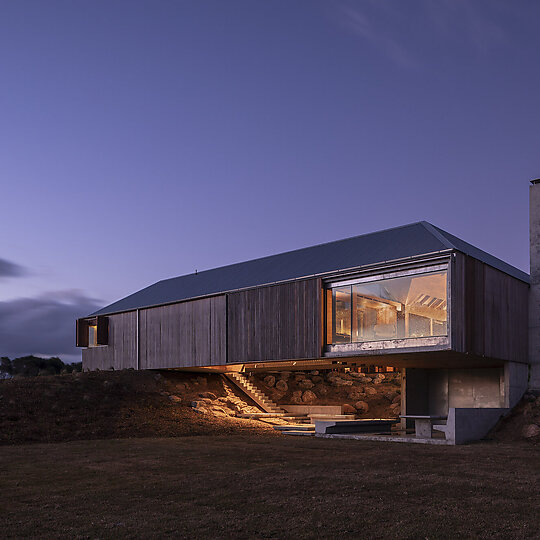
(398, 308)
(92, 335)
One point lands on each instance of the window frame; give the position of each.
(378, 276)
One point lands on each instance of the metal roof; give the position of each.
(391, 244)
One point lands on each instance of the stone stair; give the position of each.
(261, 399)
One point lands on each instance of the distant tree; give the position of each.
(32, 366)
(5, 365)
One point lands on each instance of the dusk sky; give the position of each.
(144, 140)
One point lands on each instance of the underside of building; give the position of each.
(452, 317)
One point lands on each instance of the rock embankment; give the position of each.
(366, 395)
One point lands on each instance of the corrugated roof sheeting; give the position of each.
(391, 244)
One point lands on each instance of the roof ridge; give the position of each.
(301, 249)
(434, 231)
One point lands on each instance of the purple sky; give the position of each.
(144, 140)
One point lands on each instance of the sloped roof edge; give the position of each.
(363, 250)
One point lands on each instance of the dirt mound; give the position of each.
(119, 404)
(368, 395)
(522, 424)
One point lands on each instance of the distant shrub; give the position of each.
(32, 366)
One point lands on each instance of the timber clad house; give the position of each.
(451, 317)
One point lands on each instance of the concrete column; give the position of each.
(515, 382)
(534, 293)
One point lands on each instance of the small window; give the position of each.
(92, 335)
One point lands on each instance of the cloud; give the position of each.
(9, 269)
(400, 30)
(44, 325)
(372, 29)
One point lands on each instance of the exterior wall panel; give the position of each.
(489, 311)
(189, 334)
(121, 353)
(278, 322)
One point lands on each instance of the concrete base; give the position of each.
(515, 382)
(468, 425)
(384, 438)
(355, 426)
(534, 381)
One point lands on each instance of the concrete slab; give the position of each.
(383, 438)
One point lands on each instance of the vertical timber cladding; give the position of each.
(187, 334)
(121, 351)
(277, 322)
(489, 311)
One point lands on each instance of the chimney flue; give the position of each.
(534, 292)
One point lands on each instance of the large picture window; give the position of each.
(398, 308)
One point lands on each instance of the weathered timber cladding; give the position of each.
(489, 311)
(188, 334)
(278, 322)
(121, 353)
(82, 333)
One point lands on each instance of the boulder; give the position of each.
(269, 381)
(348, 409)
(317, 379)
(305, 384)
(355, 394)
(370, 391)
(321, 389)
(338, 381)
(314, 372)
(530, 431)
(395, 408)
(297, 396)
(308, 396)
(203, 381)
(209, 395)
(390, 395)
(175, 399)
(282, 386)
(361, 406)
(367, 379)
(285, 375)
(397, 399)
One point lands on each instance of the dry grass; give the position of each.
(268, 487)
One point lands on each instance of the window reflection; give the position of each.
(405, 307)
(341, 306)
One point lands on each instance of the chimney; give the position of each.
(534, 293)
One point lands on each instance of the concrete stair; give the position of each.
(330, 417)
(296, 427)
(261, 399)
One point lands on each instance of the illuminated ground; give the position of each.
(259, 486)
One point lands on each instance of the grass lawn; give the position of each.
(268, 487)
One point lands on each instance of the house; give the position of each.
(451, 317)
